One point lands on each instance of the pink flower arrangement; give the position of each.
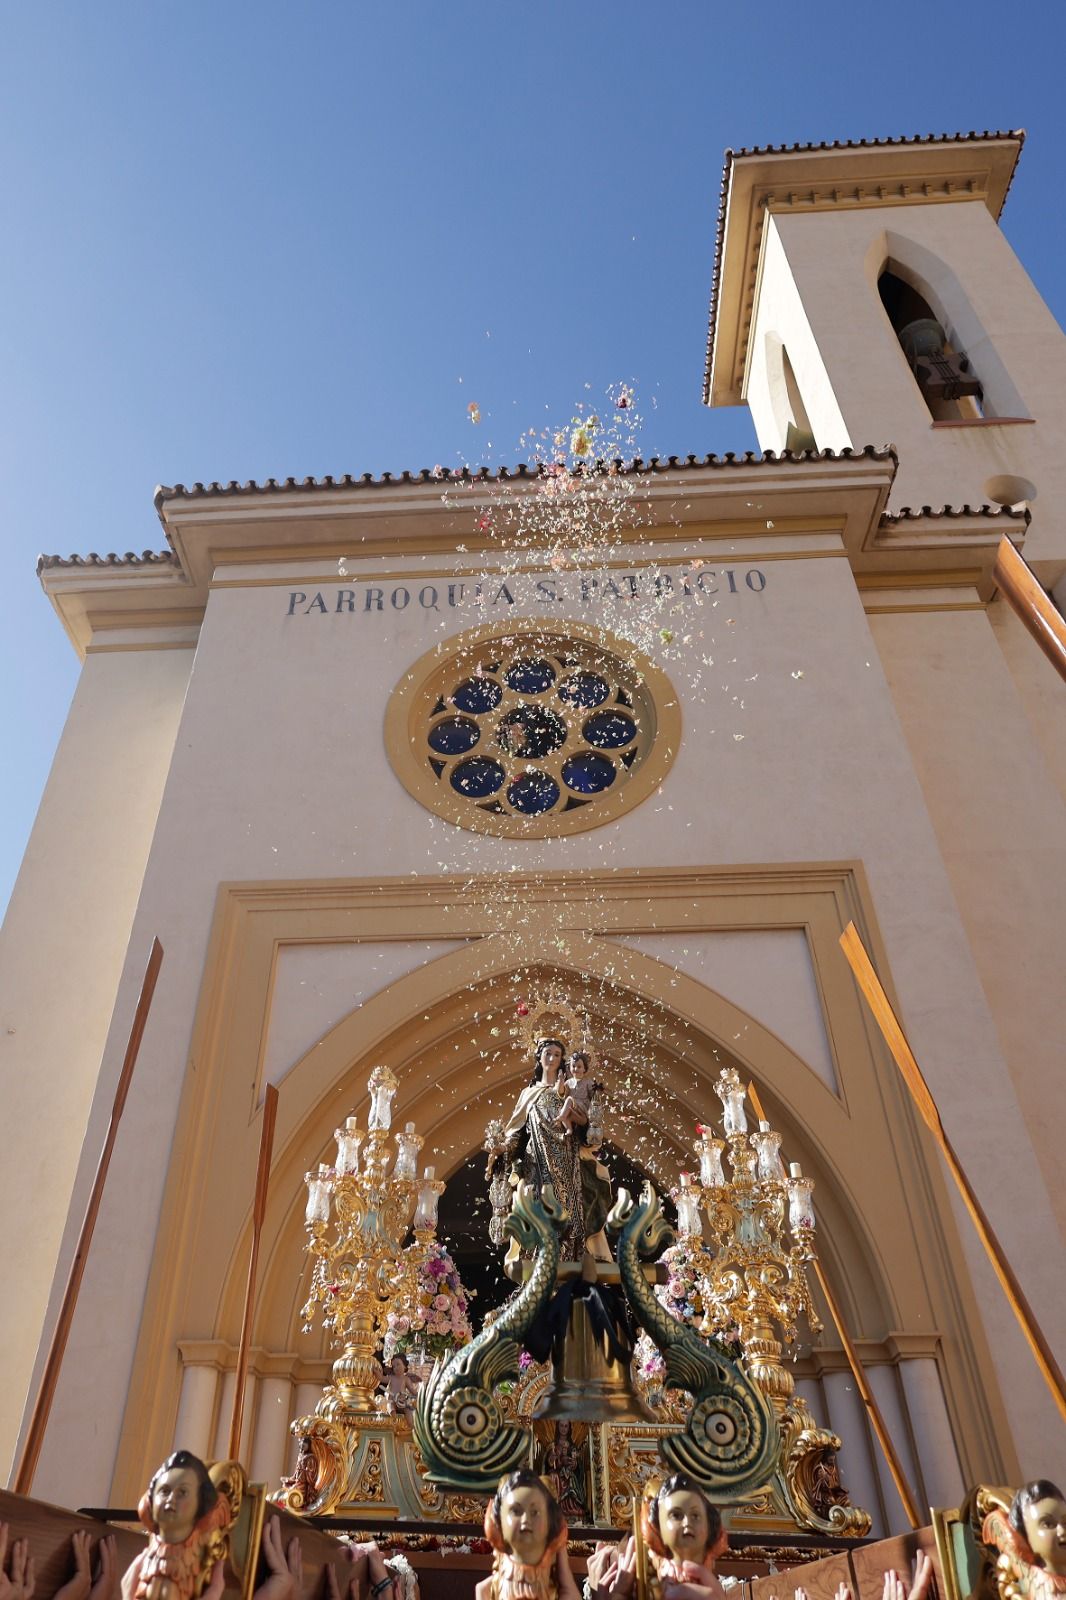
(433, 1316)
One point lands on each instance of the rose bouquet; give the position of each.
(434, 1316)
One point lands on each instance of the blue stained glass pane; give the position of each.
(585, 689)
(454, 736)
(477, 695)
(530, 677)
(477, 777)
(533, 792)
(609, 729)
(588, 773)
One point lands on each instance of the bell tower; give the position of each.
(865, 294)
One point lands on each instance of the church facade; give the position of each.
(301, 754)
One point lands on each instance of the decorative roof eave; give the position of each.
(237, 525)
(959, 543)
(833, 174)
(210, 525)
(147, 558)
(523, 475)
(168, 500)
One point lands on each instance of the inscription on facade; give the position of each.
(489, 593)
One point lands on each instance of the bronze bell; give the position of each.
(587, 1384)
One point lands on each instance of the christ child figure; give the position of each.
(578, 1090)
(187, 1518)
(683, 1532)
(526, 1529)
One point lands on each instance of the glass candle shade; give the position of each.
(348, 1138)
(383, 1086)
(800, 1206)
(689, 1221)
(768, 1146)
(731, 1093)
(317, 1196)
(710, 1150)
(428, 1196)
(408, 1144)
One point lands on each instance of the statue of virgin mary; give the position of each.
(546, 1150)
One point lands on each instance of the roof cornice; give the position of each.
(154, 599)
(838, 175)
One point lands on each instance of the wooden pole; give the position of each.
(858, 1372)
(895, 1038)
(1027, 596)
(262, 1184)
(31, 1449)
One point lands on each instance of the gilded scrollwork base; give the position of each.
(323, 1468)
(810, 1479)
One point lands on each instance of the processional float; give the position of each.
(586, 1343)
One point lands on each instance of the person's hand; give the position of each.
(216, 1583)
(613, 1570)
(378, 1574)
(354, 1579)
(923, 1576)
(843, 1592)
(696, 1583)
(79, 1586)
(19, 1584)
(895, 1587)
(286, 1566)
(105, 1584)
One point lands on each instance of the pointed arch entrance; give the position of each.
(445, 1029)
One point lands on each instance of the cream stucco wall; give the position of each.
(781, 323)
(280, 772)
(817, 291)
(1001, 823)
(64, 943)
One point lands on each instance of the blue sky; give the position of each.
(256, 239)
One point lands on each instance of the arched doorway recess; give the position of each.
(886, 1235)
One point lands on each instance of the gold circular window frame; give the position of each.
(410, 711)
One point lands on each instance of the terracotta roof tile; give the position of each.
(921, 513)
(147, 558)
(521, 473)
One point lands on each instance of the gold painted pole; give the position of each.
(896, 1040)
(640, 1551)
(262, 1184)
(31, 1449)
(858, 1372)
(1027, 596)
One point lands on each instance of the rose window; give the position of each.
(532, 733)
(527, 734)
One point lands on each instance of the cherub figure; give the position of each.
(187, 1518)
(683, 1532)
(526, 1529)
(401, 1390)
(1031, 1542)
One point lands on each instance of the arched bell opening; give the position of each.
(945, 377)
